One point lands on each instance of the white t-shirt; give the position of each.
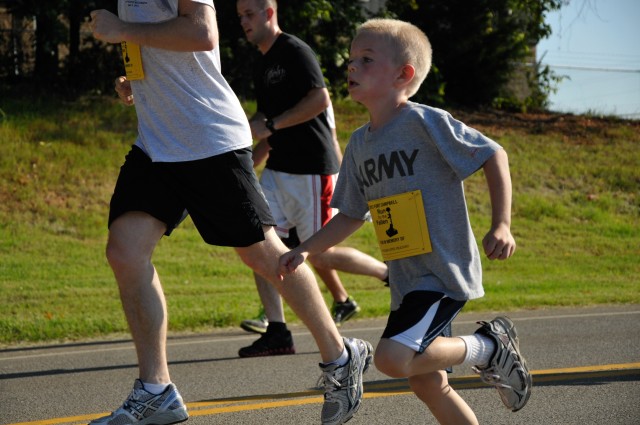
(186, 109)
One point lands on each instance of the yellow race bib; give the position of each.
(132, 61)
(401, 225)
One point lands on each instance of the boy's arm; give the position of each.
(335, 231)
(499, 242)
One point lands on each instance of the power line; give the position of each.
(597, 54)
(594, 68)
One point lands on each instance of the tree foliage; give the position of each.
(478, 45)
(57, 30)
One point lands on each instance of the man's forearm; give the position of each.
(194, 29)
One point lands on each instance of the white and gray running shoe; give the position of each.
(507, 370)
(145, 408)
(343, 384)
(256, 325)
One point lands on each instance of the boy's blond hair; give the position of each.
(409, 44)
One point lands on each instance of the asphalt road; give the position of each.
(585, 362)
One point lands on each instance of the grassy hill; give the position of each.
(575, 217)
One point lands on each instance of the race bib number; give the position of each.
(132, 61)
(401, 225)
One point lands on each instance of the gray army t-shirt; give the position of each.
(424, 149)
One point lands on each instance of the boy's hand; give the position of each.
(499, 243)
(290, 261)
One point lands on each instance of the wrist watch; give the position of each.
(269, 124)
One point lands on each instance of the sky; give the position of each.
(596, 43)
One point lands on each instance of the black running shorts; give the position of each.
(221, 194)
(422, 316)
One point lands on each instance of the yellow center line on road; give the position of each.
(372, 390)
(71, 420)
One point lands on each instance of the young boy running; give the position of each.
(406, 166)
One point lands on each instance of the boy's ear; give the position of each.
(407, 72)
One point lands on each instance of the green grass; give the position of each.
(576, 216)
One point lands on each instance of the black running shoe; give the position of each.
(344, 311)
(270, 344)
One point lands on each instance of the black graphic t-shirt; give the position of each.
(283, 77)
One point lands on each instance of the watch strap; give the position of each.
(269, 124)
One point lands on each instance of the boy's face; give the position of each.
(371, 73)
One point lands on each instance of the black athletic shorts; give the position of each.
(421, 317)
(221, 193)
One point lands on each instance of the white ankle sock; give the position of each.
(155, 388)
(479, 350)
(342, 360)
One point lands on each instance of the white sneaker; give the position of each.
(144, 408)
(258, 324)
(343, 384)
(507, 370)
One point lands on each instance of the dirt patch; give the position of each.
(578, 128)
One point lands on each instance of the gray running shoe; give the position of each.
(344, 311)
(343, 384)
(144, 408)
(256, 325)
(507, 370)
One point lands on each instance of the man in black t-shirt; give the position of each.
(302, 163)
